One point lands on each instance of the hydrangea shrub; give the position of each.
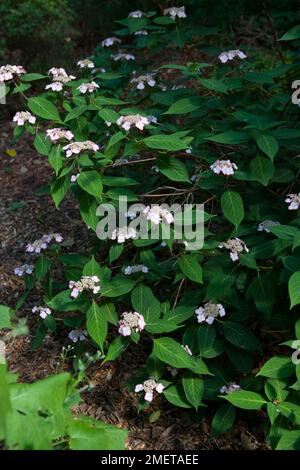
(221, 131)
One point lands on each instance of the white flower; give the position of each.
(136, 14)
(157, 214)
(85, 283)
(77, 335)
(25, 268)
(236, 246)
(8, 72)
(149, 386)
(142, 32)
(223, 166)
(131, 321)
(122, 234)
(123, 56)
(77, 147)
(58, 133)
(173, 12)
(230, 388)
(137, 268)
(60, 75)
(209, 312)
(24, 116)
(141, 80)
(264, 226)
(294, 201)
(187, 349)
(133, 120)
(42, 244)
(152, 119)
(230, 55)
(86, 64)
(88, 87)
(73, 178)
(54, 86)
(42, 311)
(110, 42)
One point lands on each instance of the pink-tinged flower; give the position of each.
(133, 120)
(54, 86)
(24, 269)
(58, 133)
(157, 214)
(60, 75)
(230, 55)
(108, 42)
(77, 335)
(236, 246)
(74, 178)
(223, 166)
(122, 56)
(266, 224)
(42, 311)
(142, 80)
(294, 201)
(136, 14)
(232, 387)
(209, 312)
(42, 244)
(122, 234)
(88, 87)
(24, 116)
(173, 12)
(86, 64)
(78, 147)
(8, 72)
(149, 387)
(85, 283)
(131, 321)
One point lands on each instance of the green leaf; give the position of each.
(170, 352)
(165, 142)
(43, 108)
(110, 313)
(175, 395)
(213, 84)
(115, 139)
(183, 106)
(206, 335)
(232, 207)
(41, 267)
(223, 419)
(59, 189)
(193, 388)
(245, 400)
(108, 115)
(240, 336)
(92, 268)
(30, 77)
(291, 34)
(91, 182)
(56, 159)
(268, 144)
(90, 434)
(5, 315)
(173, 169)
(229, 137)
(75, 113)
(116, 348)
(262, 170)
(115, 252)
(145, 303)
(294, 289)
(42, 144)
(278, 367)
(289, 440)
(88, 210)
(117, 286)
(190, 268)
(96, 324)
